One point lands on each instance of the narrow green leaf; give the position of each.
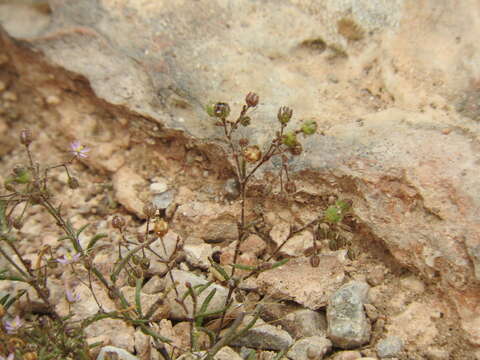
(81, 229)
(244, 267)
(94, 240)
(221, 270)
(138, 289)
(204, 307)
(279, 263)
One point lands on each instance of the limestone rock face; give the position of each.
(392, 85)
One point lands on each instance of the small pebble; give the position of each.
(389, 347)
(3, 86)
(52, 100)
(158, 187)
(371, 311)
(10, 96)
(3, 59)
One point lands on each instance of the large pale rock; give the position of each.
(298, 281)
(264, 336)
(392, 85)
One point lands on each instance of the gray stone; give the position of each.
(265, 337)
(122, 354)
(306, 323)
(181, 277)
(389, 347)
(348, 326)
(314, 347)
(163, 200)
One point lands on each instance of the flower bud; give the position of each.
(149, 210)
(145, 263)
(26, 137)
(73, 183)
(243, 142)
(290, 187)
(221, 110)
(136, 259)
(118, 222)
(131, 281)
(309, 127)
(290, 139)
(296, 150)
(284, 114)
(251, 99)
(160, 228)
(245, 120)
(314, 261)
(17, 223)
(252, 154)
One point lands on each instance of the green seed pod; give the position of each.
(309, 127)
(136, 259)
(210, 109)
(290, 139)
(245, 121)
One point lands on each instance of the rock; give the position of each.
(376, 275)
(126, 182)
(177, 312)
(220, 230)
(164, 199)
(306, 323)
(253, 244)
(414, 183)
(415, 324)
(305, 285)
(52, 100)
(314, 347)
(198, 254)
(435, 353)
(3, 86)
(413, 284)
(231, 189)
(264, 336)
(227, 353)
(371, 311)
(348, 327)
(347, 355)
(155, 285)
(389, 347)
(165, 247)
(158, 187)
(10, 96)
(122, 354)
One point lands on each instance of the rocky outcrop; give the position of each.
(393, 87)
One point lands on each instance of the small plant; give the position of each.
(50, 335)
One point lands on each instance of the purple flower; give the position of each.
(11, 356)
(71, 296)
(14, 325)
(79, 150)
(68, 258)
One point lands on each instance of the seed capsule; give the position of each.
(252, 99)
(314, 261)
(73, 183)
(26, 137)
(118, 222)
(252, 153)
(160, 228)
